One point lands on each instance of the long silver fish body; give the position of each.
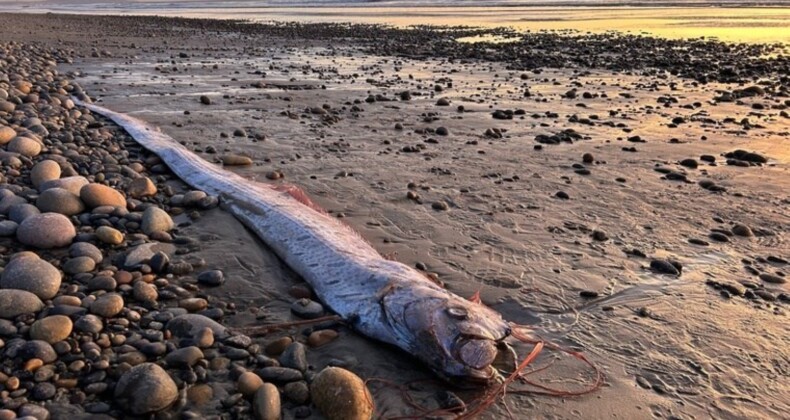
(382, 299)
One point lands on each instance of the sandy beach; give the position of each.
(626, 197)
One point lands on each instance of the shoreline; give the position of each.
(454, 162)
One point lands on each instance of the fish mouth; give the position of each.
(477, 356)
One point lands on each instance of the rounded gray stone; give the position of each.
(59, 200)
(73, 184)
(46, 230)
(20, 212)
(188, 325)
(15, 302)
(31, 274)
(8, 228)
(146, 388)
(156, 220)
(85, 249)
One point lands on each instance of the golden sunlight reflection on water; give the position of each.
(753, 24)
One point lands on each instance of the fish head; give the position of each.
(459, 339)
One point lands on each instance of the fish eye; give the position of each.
(458, 313)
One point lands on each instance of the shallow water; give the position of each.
(731, 24)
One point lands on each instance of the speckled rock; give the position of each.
(146, 388)
(341, 395)
(31, 274)
(46, 230)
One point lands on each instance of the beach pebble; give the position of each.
(188, 325)
(664, 267)
(248, 383)
(307, 309)
(205, 100)
(97, 195)
(211, 278)
(193, 304)
(279, 374)
(18, 302)
(91, 324)
(146, 388)
(37, 349)
(204, 338)
(144, 292)
(31, 274)
(85, 249)
(46, 230)
(341, 395)
(193, 198)
(266, 403)
(141, 187)
(72, 184)
(184, 357)
(156, 220)
(46, 170)
(79, 265)
(6, 134)
(143, 253)
(236, 160)
(742, 230)
(19, 212)
(109, 235)
(51, 329)
(278, 346)
(9, 201)
(321, 337)
(8, 228)
(772, 278)
(107, 305)
(440, 205)
(58, 200)
(25, 146)
(297, 392)
(294, 357)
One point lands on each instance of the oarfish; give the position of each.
(382, 299)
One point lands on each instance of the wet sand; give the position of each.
(479, 202)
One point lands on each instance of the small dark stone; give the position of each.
(589, 294)
(771, 278)
(664, 267)
(279, 374)
(308, 309)
(211, 278)
(562, 195)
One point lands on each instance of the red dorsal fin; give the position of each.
(475, 298)
(299, 195)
